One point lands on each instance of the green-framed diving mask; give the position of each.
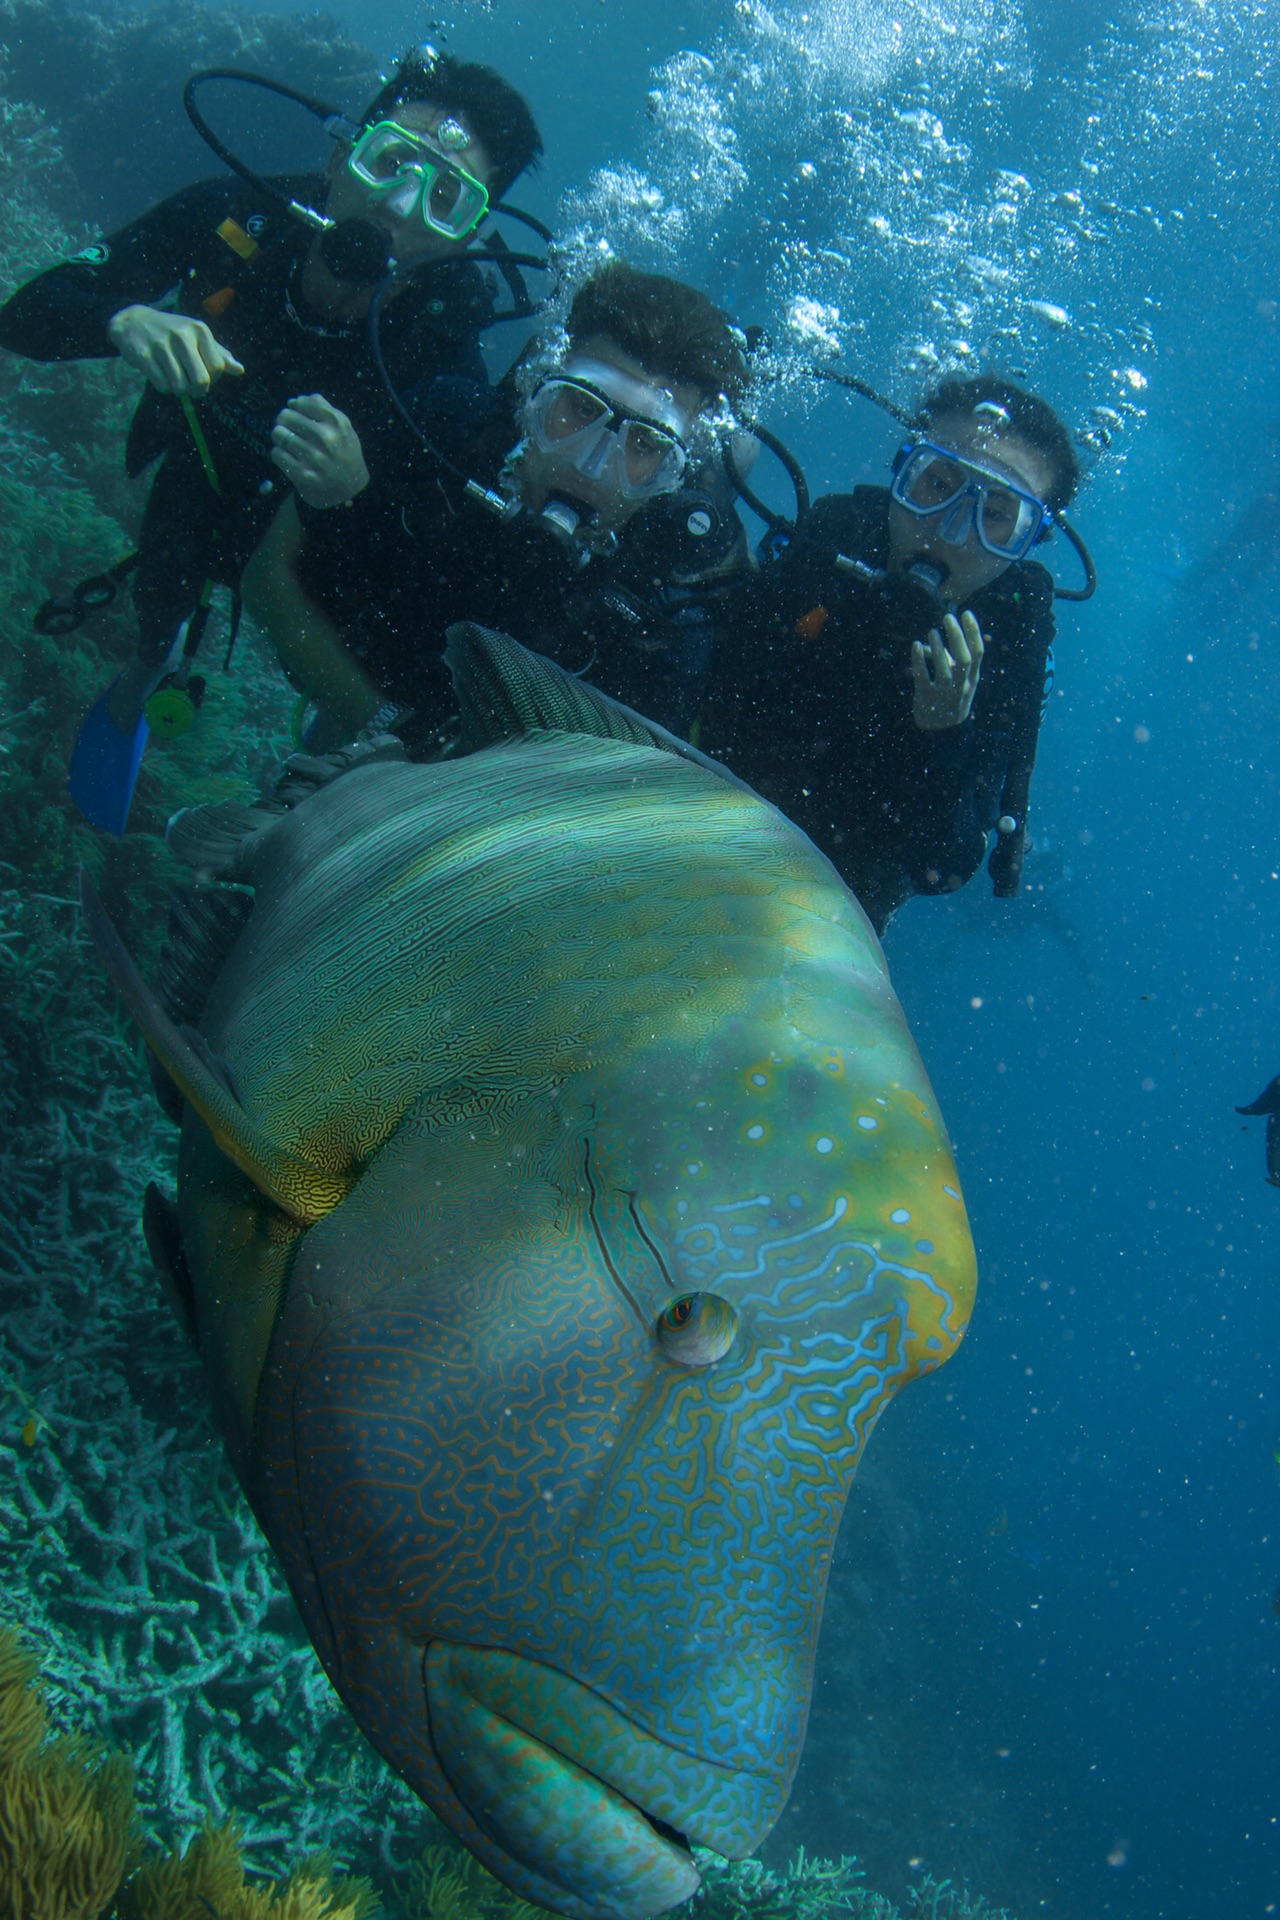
(412, 172)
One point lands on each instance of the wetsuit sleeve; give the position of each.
(63, 313)
(1026, 705)
(943, 843)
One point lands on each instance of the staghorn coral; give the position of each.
(66, 1807)
(57, 420)
(806, 1889)
(127, 1543)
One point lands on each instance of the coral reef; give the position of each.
(158, 1612)
(69, 1844)
(56, 421)
(66, 1807)
(112, 82)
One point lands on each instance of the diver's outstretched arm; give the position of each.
(310, 646)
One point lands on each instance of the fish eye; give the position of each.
(697, 1329)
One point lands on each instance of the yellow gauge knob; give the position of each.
(170, 711)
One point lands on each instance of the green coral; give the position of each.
(806, 1889)
(447, 1883)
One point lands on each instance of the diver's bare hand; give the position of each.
(946, 676)
(318, 449)
(176, 354)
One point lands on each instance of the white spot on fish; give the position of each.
(824, 1145)
(693, 1166)
(867, 1124)
(899, 1216)
(755, 1133)
(951, 1193)
(759, 1079)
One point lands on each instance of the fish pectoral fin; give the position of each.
(305, 1192)
(1268, 1101)
(163, 1236)
(214, 1062)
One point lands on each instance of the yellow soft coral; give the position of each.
(66, 1807)
(209, 1878)
(67, 1835)
(448, 1884)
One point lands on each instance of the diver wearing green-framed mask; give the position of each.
(412, 172)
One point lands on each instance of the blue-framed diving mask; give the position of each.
(412, 172)
(967, 498)
(617, 432)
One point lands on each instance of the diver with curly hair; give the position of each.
(605, 535)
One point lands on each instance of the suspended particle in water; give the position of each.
(1056, 316)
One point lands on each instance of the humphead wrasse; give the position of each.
(561, 1201)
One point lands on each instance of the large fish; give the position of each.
(561, 1201)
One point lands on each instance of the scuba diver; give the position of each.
(592, 537)
(890, 662)
(236, 297)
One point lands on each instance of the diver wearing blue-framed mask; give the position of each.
(969, 498)
(891, 660)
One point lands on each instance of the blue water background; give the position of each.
(1096, 1472)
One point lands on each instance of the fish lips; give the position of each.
(573, 1791)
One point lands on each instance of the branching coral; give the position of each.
(806, 1889)
(127, 1545)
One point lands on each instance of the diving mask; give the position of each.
(968, 498)
(606, 426)
(412, 172)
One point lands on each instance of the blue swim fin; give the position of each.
(104, 766)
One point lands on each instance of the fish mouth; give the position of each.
(568, 1788)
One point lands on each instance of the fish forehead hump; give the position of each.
(627, 1021)
(508, 916)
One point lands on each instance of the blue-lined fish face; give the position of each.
(572, 1456)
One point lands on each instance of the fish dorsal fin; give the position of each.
(303, 1191)
(505, 692)
(204, 925)
(219, 840)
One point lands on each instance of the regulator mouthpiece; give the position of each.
(357, 252)
(928, 574)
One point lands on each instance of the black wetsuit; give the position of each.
(811, 701)
(638, 623)
(222, 252)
